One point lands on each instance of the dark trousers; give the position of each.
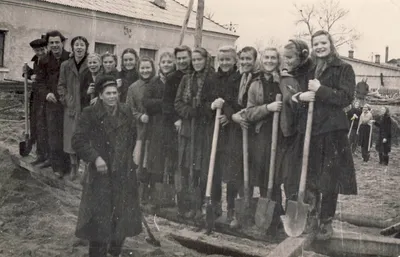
(353, 140)
(383, 158)
(60, 161)
(326, 203)
(100, 249)
(38, 124)
(231, 193)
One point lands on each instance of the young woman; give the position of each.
(384, 140)
(228, 166)
(331, 168)
(73, 95)
(128, 73)
(363, 131)
(195, 86)
(354, 115)
(261, 105)
(109, 210)
(152, 102)
(109, 62)
(95, 68)
(134, 100)
(249, 70)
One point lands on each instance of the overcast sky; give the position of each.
(378, 21)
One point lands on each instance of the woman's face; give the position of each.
(226, 61)
(321, 46)
(94, 64)
(247, 61)
(145, 70)
(167, 64)
(109, 64)
(129, 61)
(383, 110)
(365, 109)
(270, 60)
(291, 59)
(198, 61)
(79, 48)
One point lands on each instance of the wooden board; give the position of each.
(292, 246)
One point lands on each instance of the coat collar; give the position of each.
(122, 116)
(335, 62)
(72, 66)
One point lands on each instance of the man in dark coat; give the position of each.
(60, 161)
(172, 122)
(354, 115)
(37, 111)
(104, 138)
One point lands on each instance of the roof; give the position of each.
(145, 10)
(379, 65)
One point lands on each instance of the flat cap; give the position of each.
(37, 43)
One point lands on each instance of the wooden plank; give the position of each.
(199, 23)
(364, 221)
(358, 244)
(292, 246)
(391, 230)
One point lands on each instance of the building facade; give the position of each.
(111, 26)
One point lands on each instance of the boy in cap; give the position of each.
(37, 114)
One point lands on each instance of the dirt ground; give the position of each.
(38, 217)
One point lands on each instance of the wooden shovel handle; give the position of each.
(26, 98)
(351, 127)
(192, 141)
(370, 137)
(142, 151)
(245, 136)
(275, 126)
(306, 150)
(213, 154)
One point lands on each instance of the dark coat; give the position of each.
(152, 102)
(336, 93)
(229, 159)
(109, 208)
(385, 131)
(128, 77)
(350, 114)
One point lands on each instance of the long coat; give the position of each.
(152, 102)
(128, 77)
(74, 97)
(385, 131)
(109, 208)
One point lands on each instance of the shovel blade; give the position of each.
(264, 213)
(295, 219)
(210, 217)
(25, 148)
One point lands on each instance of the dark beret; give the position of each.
(37, 43)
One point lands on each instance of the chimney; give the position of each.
(386, 54)
(351, 54)
(377, 58)
(160, 3)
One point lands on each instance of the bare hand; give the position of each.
(144, 118)
(93, 101)
(275, 106)
(178, 125)
(90, 89)
(371, 122)
(223, 120)
(51, 98)
(101, 165)
(239, 119)
(119, 83)
(308, 96)
(384, 140)
(217, 104)
(33, 78)
(314, 85)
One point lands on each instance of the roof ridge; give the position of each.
(213, 21)
(381, 65)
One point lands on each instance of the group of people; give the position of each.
(163, 119)
(361, 131)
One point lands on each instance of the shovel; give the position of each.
(266, 206)
(351, 127)
(25, 147)
(295, 219)
(163, 194)
(370, 138)
(209, 207)
(242, 206)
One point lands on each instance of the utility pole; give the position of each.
(186, 21)
(199, 23)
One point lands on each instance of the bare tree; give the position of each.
(261, 44)
(327, 15)
(208, 14)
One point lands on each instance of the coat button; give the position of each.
(107, 143)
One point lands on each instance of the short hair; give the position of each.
(108, 54)
(249, 49)
(80, 38)
(95, 55)
(183, 48)
(103, 81)
(130, 51)
(228, 49)
(55, 33)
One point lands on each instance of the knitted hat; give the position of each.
(301, 47)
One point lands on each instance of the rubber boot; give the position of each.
(325, 230)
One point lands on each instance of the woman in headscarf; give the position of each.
(152, 103)
(196, 86)
(363, 131)
(134, 100)
(261, 105)
(384, 140)
(73, 94)
(331, 169)
(128, 73)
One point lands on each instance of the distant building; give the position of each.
(148, 26)
(377, 73)
(395, 62)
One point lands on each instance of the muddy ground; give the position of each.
(38, 216)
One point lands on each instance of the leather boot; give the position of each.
(74, 172)
(39, 159)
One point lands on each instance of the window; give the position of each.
(102, 48)
(150, 53)
(2, 39)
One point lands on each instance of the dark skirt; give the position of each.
(330, 166)
(156, 156)
(363, 136)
